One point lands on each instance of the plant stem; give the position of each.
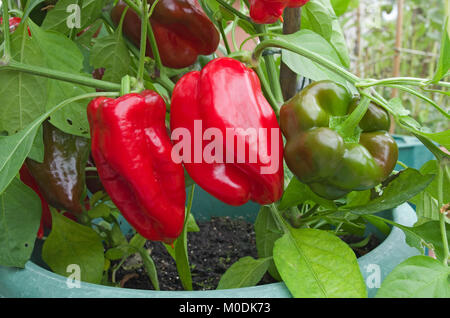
(306, 53)
(125, 85)
(288, 78)
(355, 117)
(412, 81)
(442, 213)
(224, 37)
(63, 76)
(143, 43)
(7, 41)
(234, 11)
(271, 69)
(267, 91)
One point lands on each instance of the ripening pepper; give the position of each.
(182, 31)
(93, 182)
(318, 155)
(225, 99)
(61, 176)
(132, 152)
(270, 11)
(46, 218)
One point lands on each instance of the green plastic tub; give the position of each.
(36, 281)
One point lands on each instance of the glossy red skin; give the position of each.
(227, 94)
(46, 219)
(270, 11)
(13, 23)
(182, 31)
(132, 152)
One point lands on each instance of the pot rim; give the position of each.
(403, 214)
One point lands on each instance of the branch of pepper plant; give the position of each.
(59, 75)
(288, 78)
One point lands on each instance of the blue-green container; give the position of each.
(36, 281)
(411, 152)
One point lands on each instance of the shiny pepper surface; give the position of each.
(61, 176)
(270, 11)
(226, 98)
(182, 31)
(132, 152)
(318, 155)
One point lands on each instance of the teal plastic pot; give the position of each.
(36, 281)
(411, 152)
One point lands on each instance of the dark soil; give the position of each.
(220, 243)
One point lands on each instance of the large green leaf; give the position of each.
(60, 17)
(60, 53)
(20, 215)
(23, 95)
(320, 17)
(72, 243)
(315, 263)
(111, 53)
(417, 277)
(407, 184)
(316, 43)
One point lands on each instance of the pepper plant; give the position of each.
(119, 76)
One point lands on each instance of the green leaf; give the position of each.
(111, 52)
(379, 224)
(319, 16)
(305, 67)
(317, 264)
(14, 150)
(426, 234)
(267, 231)
(427, 201)
(37, 150)
(444, 59)
(20, 215)
(60, 53)
(405, 185)
(340, 6)
(417, 277)
(57, 19)
(72, 243)
(150, 267)
(23, 95)
(298, 192)
(245, 272)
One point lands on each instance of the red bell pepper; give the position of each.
(132, 151)
(270, 11)
(182, 31)
(13, 23)
(226, 98)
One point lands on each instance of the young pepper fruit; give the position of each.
(225, 98)
(182, 31)
(132, 151)
(270, 11)
(61, 176)
(318, 155)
